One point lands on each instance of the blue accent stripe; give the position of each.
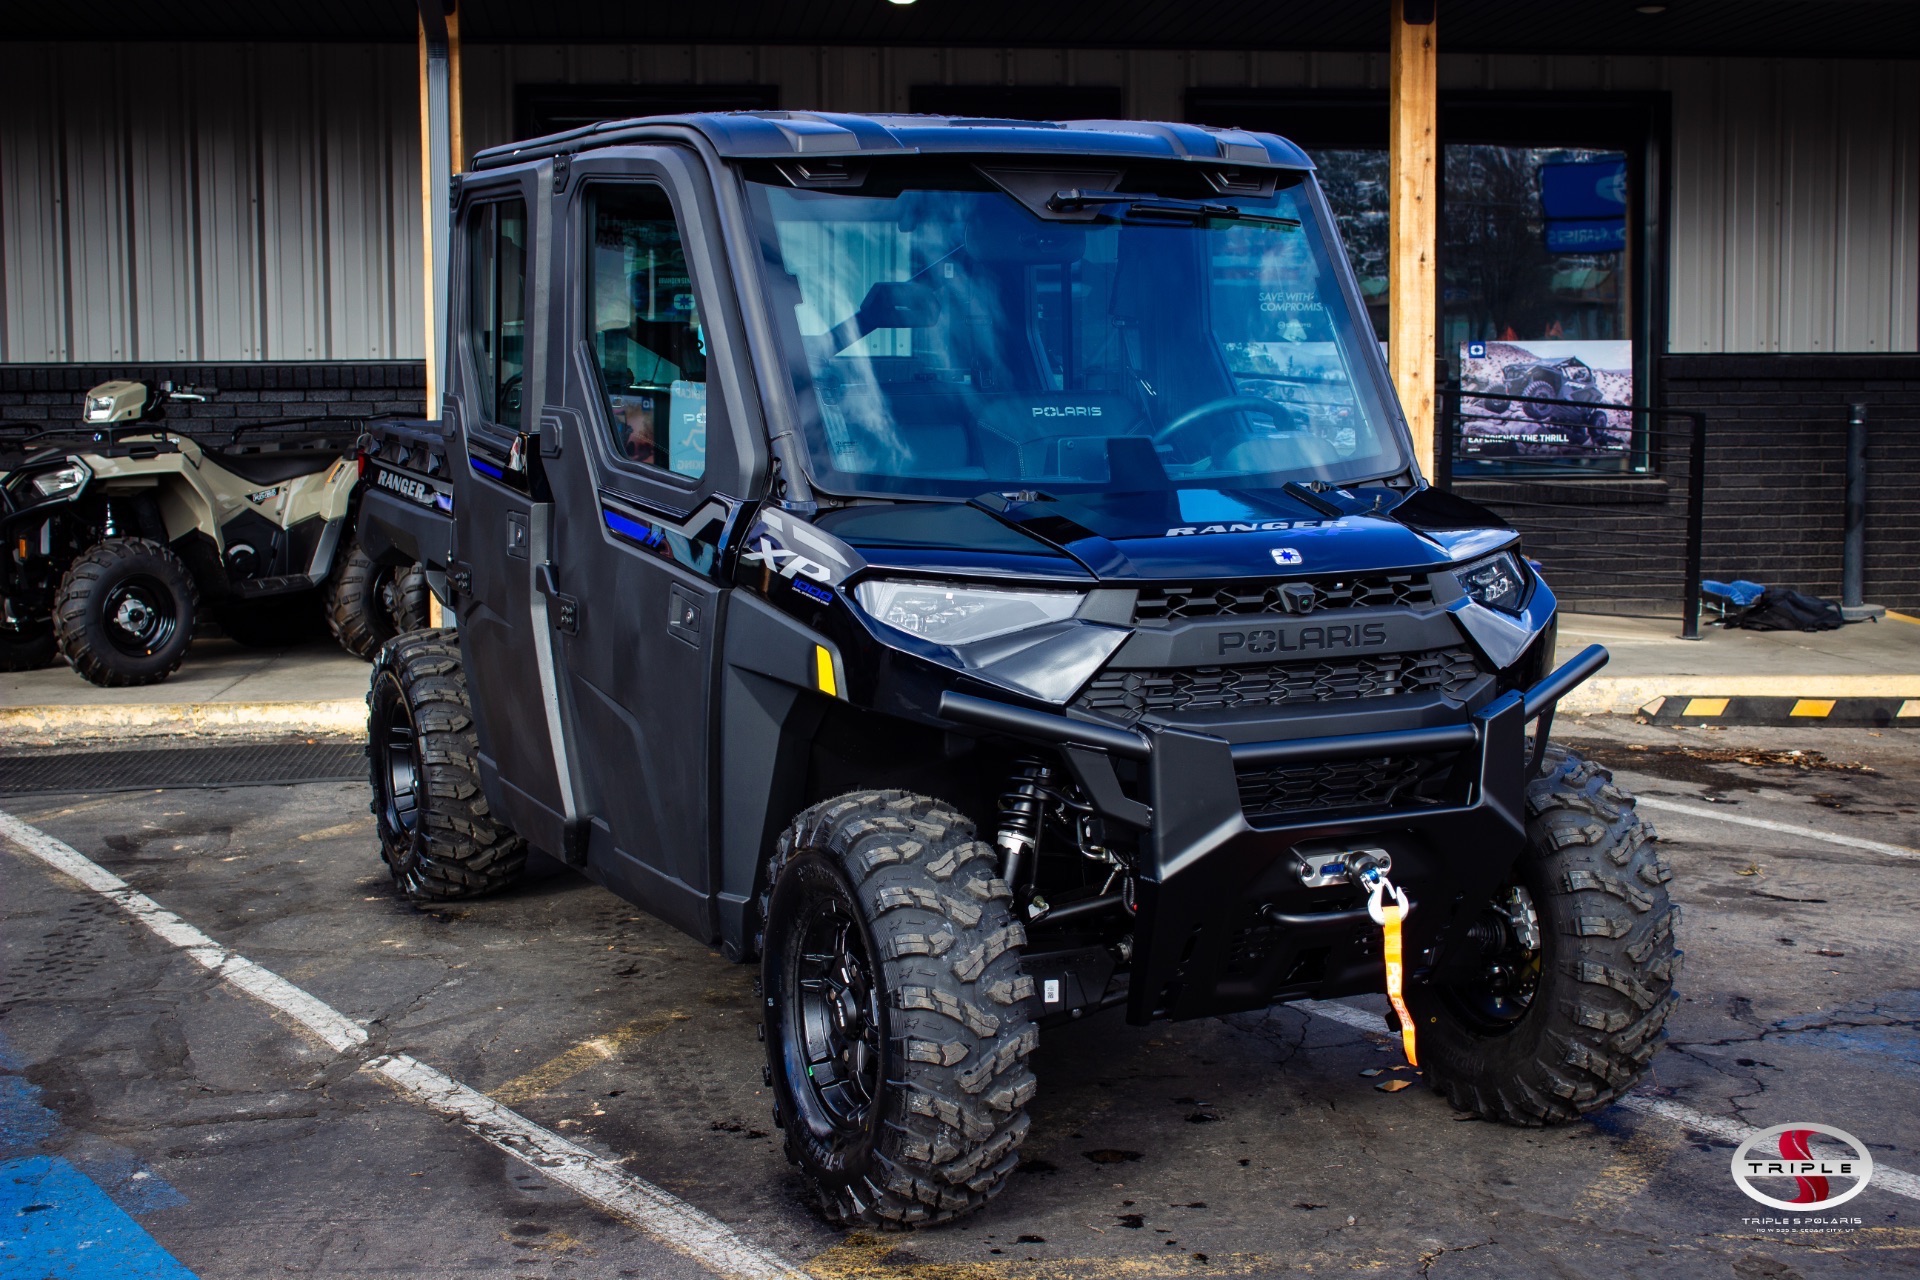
(644, 534)
(486, 468)
(55, 1222)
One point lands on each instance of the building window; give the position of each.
(1548, 256)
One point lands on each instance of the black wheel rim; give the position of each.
(140, 616)
(835, 1021)
(399, 770)
(1497, 989)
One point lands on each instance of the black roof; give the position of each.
(787, 134)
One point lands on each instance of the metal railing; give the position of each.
(1615, 512)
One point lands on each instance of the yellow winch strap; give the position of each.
(1391, 915)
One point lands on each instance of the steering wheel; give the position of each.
(1212, 408)
(509, 396)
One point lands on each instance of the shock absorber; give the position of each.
(1022, 806)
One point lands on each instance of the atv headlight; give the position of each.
(53, 484)
(1497, 582)
(954, 615)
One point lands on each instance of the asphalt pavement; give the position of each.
(213, 1119)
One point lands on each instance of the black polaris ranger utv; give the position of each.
(978, 570)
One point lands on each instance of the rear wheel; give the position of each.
(437, 836)
(897, 1024)
(124, 613)
(1561, 1007)
(369, 603)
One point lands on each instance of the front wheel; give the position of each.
(897, 1021)
(438, 838)
(1558, 1007)
(124, 613)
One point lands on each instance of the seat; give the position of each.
(274, 465)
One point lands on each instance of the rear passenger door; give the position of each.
(502, 520)
(653, 453)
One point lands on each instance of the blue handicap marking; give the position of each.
(55, 1224)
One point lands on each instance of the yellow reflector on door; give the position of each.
(823, 672)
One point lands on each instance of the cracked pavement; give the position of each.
(1248, 1146)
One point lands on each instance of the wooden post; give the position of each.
(439, 159)
(1413, 218)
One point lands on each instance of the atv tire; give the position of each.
(27, 647)
(369, 603)
(437, 836)
(1603, 965)
(124, 613)
(897, 1017)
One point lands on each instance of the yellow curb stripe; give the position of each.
(1901, 617)
(1812, 707)
(1911, 707)
(1705, 707)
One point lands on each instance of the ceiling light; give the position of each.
(900, 1)
(1642, 8)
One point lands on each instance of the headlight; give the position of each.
(51, 484)
(955, 615)
(1496, 582)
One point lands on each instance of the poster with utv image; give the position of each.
(1546, 399)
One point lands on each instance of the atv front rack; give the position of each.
(1225, 922)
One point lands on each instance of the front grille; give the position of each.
(1376, 785)
(1175, 601)
(1128, 695)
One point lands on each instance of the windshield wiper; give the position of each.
(1159, 207)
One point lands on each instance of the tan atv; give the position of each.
(114, 548)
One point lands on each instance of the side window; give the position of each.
(496, 329)
(645, 328)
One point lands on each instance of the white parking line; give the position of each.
(1784, 828)
(1732, 1132)
(660, 1214)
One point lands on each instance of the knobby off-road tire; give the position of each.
(124, 613)
(27, 647)
(437, 836)
(897, 1018)
(369, 603)
(1605, 964)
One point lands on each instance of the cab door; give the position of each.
(503, 518)
(650, 450)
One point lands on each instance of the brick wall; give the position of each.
(34, 397)
(1776, 487)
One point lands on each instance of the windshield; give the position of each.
(1126, 331)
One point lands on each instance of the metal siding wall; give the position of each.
(209, 202)
(275, 189)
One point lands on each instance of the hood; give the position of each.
(1226, 533)
(1177, 533)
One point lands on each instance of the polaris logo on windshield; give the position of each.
(1067, 411)
(1359, 635)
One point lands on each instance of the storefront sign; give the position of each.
(1545, 399)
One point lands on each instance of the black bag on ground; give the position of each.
(1779, 609)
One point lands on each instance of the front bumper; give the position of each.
(1224, 923)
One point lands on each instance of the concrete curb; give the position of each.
(79, 723)
(1625, 695)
